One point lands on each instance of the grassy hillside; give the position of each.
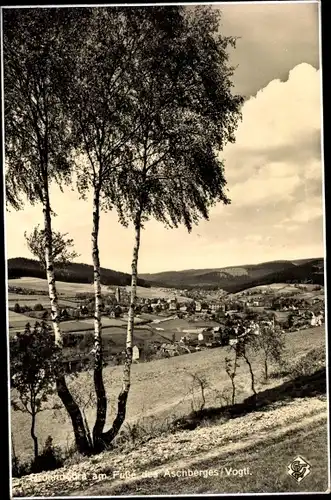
(75, 273)
(160, 389)
(233, 279)
(229, 453)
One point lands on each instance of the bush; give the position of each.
(18, 468)
(50, 458)
(17, 308)
(38, 307)
(309, 363)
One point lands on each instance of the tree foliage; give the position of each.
(34, 367)
(271, 342)
(36, 132)
(62, 252)
(188, 113)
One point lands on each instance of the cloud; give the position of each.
(273, 39)
(277, 151)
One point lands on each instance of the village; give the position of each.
(174, 323)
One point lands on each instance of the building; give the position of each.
(206, 338)
(118, 295)
(115, 312)
(198, 306)
(173, 305)
(169, 349)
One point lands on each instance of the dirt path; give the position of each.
(265, 437)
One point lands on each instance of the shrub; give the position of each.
(18, 468)
(38, 307)
(51, 458)
(309, 363)
(17, 308)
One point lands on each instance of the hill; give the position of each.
(75, 273)
(289, 407)
(236, 278)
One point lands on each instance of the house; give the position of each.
(170, 349)
(198, 306)
(206, 337)
(83, 309)
(316, 320)
(115, 312)
(173, 305)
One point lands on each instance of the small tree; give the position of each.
(200, 384)
(62, 253)
(271, 342)
(231, 370)
(34, 367)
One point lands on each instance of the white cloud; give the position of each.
(282, 112)
(276, 148)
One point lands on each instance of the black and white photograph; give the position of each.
(164, 239)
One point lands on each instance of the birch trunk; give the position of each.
(98, 355)
(61, 385)
(123, 395)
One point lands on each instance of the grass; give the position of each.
(264, 470)
(185, 324)
(237, 443)
(160, 388)
(64, 288)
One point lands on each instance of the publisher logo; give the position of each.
(299, 469)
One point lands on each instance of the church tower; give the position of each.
(118, 295)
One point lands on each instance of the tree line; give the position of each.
(73, 273)
(131, 106)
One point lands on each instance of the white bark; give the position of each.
(50, 268)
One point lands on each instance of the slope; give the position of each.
(75, 273)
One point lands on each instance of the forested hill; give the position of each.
(76, 273)
(236, 278)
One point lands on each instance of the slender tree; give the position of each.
(172, 170)
(100, 108)
(104, 108)
(37, 134)
(62, 247)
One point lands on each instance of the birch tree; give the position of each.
(100, 109)
(102, 106)
(172, 171)
(37, 135)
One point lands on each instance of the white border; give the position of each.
(324, 229)
(6, 259)
(275, 2)
(324, 237)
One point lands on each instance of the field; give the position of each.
(183, 324)
(287, 289)
(65, 288)
(62, 287)
(160, 389)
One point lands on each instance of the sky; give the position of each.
(274, 169)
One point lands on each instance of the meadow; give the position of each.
(161, 389)
(67, 288)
